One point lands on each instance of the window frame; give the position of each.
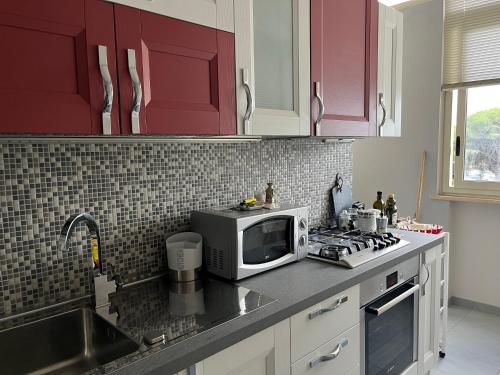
(479, 189)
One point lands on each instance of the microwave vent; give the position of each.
(215, 258)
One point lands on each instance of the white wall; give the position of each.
(392, 165)
(475, 246)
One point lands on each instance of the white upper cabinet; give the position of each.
(390, 71)
(272, 67)
(217, 14)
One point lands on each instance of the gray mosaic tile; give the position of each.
(140, 194)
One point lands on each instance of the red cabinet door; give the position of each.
(186, 75)
(344, 62)
(50, 81)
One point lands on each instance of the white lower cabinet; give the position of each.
(340, 355)
(265, 353)
(320, 323)
(429, 310)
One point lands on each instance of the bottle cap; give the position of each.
(392, 195)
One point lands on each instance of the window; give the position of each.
(471, 93)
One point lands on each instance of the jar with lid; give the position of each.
(344, 219)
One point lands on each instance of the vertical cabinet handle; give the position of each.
(381, 102)
(422, 288)
(317, 95)
(137, 87)
(250, 102)
(330, 356)
(108, 89)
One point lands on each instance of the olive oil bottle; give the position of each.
(379, 204)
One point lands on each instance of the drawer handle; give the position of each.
(319, 312)
(102, 52)
(331, 356)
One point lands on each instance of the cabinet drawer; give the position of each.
(339, 356)
(318, 324)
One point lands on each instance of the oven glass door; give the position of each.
(268, 240)
(390, 332)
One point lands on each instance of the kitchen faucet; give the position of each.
(104, 282)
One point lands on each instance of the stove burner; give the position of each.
(350, 248)
(334, 252)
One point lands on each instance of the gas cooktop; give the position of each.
(350, 248)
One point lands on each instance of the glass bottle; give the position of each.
(392, 209)
(379, 204)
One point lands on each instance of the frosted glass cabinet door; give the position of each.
(390, 71)
(272, 66)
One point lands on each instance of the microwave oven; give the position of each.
(238, 244)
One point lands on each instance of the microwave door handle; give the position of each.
(389, 305)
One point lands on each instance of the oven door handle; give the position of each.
(389, 305)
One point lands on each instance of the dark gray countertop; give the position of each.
(296, 287)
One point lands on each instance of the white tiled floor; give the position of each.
(473, 346)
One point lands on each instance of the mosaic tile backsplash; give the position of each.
(139, 194)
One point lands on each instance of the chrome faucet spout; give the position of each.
(104, 282)
(68, 229)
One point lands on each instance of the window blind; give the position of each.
(471, 43)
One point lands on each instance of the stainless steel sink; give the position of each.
(69, 343)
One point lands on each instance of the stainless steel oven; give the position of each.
(389, 320)
(238, 244)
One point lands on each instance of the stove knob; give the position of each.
(302, 240)
(303, 224)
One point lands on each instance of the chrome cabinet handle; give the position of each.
(331, 356)
(250, 102)
(102, 52)
(317, 95)
(136, 84)
(426, 266)
(381, 102)
(337, 304)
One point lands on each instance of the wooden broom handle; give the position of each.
(420, 185)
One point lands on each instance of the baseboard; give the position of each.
(473, 305)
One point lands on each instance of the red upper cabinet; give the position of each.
(176, 78)
(50, 76)
(344, 67)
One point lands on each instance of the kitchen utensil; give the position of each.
(184, 255)
(341, 196)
